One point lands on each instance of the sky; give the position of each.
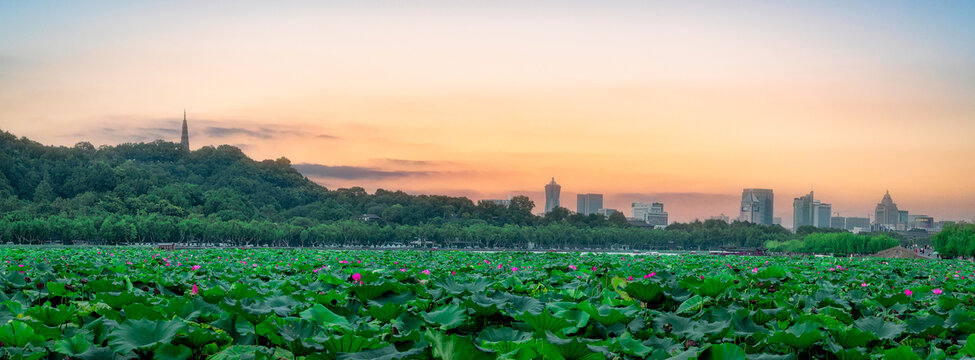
(682, 102)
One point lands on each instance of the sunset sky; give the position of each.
(681, 102)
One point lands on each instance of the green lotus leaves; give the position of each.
(322, 315)
(799, 336)
(307, 305)
(691, 305)
(851, 337)
(645, 291)
(454, 347)
(722, 352)
(143, 334)
(882, 329)
(384, 353)
(447, 317)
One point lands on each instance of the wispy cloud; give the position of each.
(222, 132)
(353, 172)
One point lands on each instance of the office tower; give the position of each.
(887, 214)
(588, 203)
(552, 191)
(802, 211)
(757, 206)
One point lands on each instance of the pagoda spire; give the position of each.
(184, 143)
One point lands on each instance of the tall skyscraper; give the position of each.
(887, 213)
(802, 211)
(757, 206)
(184, 143)
(552, 191)
(588, 203)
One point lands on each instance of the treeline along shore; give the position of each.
(159, 193)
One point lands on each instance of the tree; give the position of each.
(44, 193)
(618, 219)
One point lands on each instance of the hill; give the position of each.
(154, 192)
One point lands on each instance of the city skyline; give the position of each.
(686, 104)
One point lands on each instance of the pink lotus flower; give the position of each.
(499, 266)
(426, 272)
(514, 269)
(937, 291)
(863, 285)
(573, 267)
(403, 269)
(593, 268)
(343, 262)
(195, 267)
(755, 271)
(630, 278)
(452, 273)
(356, 277)
(908, 292)
(195, 290)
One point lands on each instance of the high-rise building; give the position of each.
(589, 203)
(822, 215)
(552, 191)
(757, 206)
(837, 222)
(887, 214)
(184, 142)
(803, 211)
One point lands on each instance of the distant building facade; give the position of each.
(552, 192)
(837, 222)
(650, 213)
(853, 223)
(606, 212)
(657, 216)
(721, 217)
(920, 222)
(589, 203)
(886, 214)
(803, 211)
(504, 203)
(822, 215)
(757, 206)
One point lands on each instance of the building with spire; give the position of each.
(887, 214)
(184, 143)
(552, 191)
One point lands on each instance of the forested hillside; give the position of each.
(154, 192)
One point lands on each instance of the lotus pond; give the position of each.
(109, 303)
